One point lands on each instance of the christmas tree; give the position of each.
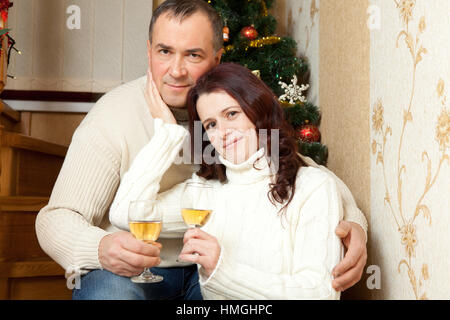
(250, 40)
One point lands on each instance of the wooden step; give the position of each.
(26, 271)
(38, 267)
(18, 239)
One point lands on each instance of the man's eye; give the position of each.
(164, 51)
(195, 56)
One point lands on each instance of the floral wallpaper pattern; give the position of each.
(397, 151)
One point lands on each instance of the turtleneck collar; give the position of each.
(245, 172)
(180, 114)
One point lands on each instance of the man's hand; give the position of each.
(350, 269)
(202, 248)
(124, 255)
(158, 108)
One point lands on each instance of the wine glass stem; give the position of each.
(147, 273)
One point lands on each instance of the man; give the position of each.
(185, 41)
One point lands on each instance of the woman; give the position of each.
(271, 235)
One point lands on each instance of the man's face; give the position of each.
(179, 54)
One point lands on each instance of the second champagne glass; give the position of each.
(197, 204)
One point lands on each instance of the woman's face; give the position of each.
(229, 130)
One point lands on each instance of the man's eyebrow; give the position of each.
(163, 46)
(193, 50)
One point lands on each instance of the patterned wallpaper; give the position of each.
(410, 128)
(408, 121)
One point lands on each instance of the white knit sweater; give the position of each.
(263, 255)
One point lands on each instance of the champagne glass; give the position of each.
(145, 225)
(197, 202)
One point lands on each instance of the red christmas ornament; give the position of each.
(4, 7)
(308, 133)
(249, 32)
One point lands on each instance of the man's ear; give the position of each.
(219, 54)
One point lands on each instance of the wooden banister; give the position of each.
(22, 204)
(20, 141)
(9, 112)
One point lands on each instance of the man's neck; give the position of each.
(180, 114)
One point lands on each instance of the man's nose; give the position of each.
(178, 69)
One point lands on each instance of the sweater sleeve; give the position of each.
(316, 250)
(142, 180)
(351, 210)
(67, 227)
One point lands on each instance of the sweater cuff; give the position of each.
(86, 251)
(357, 217)
(165, 140)
(218, 278)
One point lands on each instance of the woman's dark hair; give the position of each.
(261, 106)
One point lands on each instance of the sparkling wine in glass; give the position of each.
(145, 225)
(197, 203)
(195, 218)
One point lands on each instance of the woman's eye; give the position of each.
(231, 113)
(210, 125)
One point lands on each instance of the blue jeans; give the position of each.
(180, 283)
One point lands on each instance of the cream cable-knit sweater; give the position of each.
(103, 147)
(263, 255)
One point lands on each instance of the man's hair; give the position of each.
(183, 9)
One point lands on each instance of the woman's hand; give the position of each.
(208, 249)
(158, 108)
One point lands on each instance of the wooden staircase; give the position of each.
(28, 170)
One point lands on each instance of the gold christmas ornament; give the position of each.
(228, 48)
(264, 41)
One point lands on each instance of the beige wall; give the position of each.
(107, 50)
(344, 99)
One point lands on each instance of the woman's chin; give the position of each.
(235, 158)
